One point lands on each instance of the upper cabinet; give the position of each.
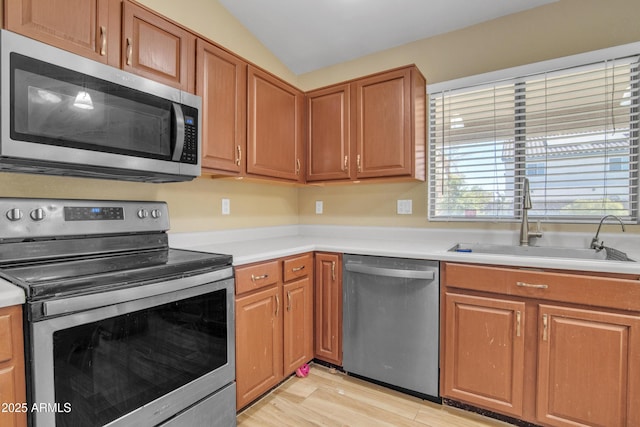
(329, 134)
(373, 127)
(115, 32)
(390, 125)
(221, 80)
(156, 48)
(90, 28)
(274, 131)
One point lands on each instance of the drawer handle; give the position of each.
(254, 278)
(531, 285)
(296, 269)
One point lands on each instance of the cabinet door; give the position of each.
(158, 49)
(588, 368)
(12, 374)
(90, 28)
(484, 352)
(274, 132)
(258, 344)
(222, 83)
(328, 307)
(383, 123)
(329, 134)
(298, 324)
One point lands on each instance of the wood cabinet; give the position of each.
(588, 367)
(258, 343)
(298, 312)
(221, 81)
(390, 124)
(156, 48)
(371, 127)
(12, 373)
(328, 307)
(274, 132)
(549, 347)
(484, 341)
(274, 323)
(329, 129)
(90, 28)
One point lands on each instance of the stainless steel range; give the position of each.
(120, 329)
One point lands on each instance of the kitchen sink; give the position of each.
(541, 251)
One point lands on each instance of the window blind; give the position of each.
(572, 132)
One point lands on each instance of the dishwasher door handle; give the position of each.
(390, 272)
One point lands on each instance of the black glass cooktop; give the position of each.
(98, 273)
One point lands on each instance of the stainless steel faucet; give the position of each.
(595, 244)
(525, 234)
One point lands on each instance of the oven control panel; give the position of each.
(23, 218)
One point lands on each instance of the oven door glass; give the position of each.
(59, 106)
(108, 368)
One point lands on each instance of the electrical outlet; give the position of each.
(226, 207)
(319, 207)
(405, 207)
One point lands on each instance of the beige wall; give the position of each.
(559, 29)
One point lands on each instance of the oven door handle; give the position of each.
(87, 302)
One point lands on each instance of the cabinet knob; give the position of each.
(37, 214)
(14, 214)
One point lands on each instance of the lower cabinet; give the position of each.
(484, 342)
(258, 344)
(588, 368)
(328, 307)
(274, 323)
(524, 344)
(12, 374)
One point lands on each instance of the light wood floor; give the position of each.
(330, 398)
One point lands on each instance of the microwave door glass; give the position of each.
(56, 106)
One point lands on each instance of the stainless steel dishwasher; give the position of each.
(391, 322)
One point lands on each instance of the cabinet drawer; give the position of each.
(299, 266)
(257, 276)
(623, 294)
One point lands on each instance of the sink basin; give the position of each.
(535, 251)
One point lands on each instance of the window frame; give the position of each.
(515, 76)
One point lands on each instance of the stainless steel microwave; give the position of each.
(63, 114)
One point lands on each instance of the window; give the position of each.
(572, 132)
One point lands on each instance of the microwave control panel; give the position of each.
(190, 150)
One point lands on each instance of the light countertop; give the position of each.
(10, 294)
(259, 244)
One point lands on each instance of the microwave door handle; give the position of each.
(180, 132)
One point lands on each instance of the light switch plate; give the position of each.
(405, 207)
(319, 207)
(226, 207)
